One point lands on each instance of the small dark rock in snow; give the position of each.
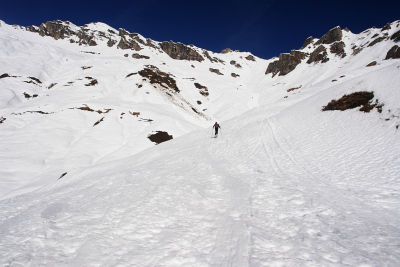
(159, 137)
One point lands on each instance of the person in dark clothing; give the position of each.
(216, 127)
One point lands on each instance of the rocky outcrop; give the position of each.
(331, 36)
(155, 76)
(237, 65)
(111, 43)
(234, 75)
(212, 59)
(250, 57)
(286, 63)
(180, 51)
(138, 56)
(318, 55)
(396, 36)
(215, 71)
(308, 41)
(377, 40)
(386, 27)
(203, 90)
(56, 29)
(124, 43)
(85, 38)
(393, 53)
(338, 48)
(373, 63)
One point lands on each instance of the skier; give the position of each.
(216, 127)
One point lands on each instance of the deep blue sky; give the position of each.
(265, 28)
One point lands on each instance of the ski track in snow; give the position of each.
(238, 202)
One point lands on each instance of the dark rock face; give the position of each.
(138, 56)
(338, 48)
(202, 89)
(377, 40)
(180, 51)
(131, 44)
(111, 43)
(226, 50)
(159, 137)
(156, 76)
(237, 65)
(286, 63)
(85, 38)
(234, 75)
(55, 29)
(373, 63)
(212, 59)
(393, 53)
(308, 41)
(216, 71)
(250, 57)
(331, 36)
(396, 36)
(387, 27)
(318, 55)
(358, 99)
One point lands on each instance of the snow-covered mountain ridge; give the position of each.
(285, 183)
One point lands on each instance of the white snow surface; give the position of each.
(284, 184)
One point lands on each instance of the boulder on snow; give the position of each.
(215, 71)
(159, 137)
(180, 51)
(373, 63)
(202, 89)
(56, 29)
(377, 40)
(393, 53)
(139, 56)
(318, 55)
(250, 57)
(286, 63)
(331, 36)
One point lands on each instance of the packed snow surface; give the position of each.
(284, 184)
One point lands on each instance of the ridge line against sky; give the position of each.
(264, 28)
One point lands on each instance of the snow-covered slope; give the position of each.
(285, 183)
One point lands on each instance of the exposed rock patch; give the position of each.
(308, 41)
(138, 56)
(237, 65)
(361, 99)
(159, 137)
(215, 71)
(294, 88)
(2, 119)
(338, 48)
(27, 96)
(251, 58)
(377, 40)
(286, 63)
(87, 108)
(318, 55)
(202, 89)
(156, 76)
(234, 75)
(212, 59)
(331, 36)
(180, 51)
(393, 53)
(97, 122)
(396, 36)
(86, 67)
(92, 82)
(373, 63)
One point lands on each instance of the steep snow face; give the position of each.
(285, 183)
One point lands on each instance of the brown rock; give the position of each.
(216, 71)
(386, 27)
(338, 48)
(124, 43)
(212, 59)
(180, 51)
(396, 36)
(286, 63)
(234, 75)
(138, 56)
(226, 50)
(250, 57)
(393, 53)
(377, 40)
(202, 89)
(331, 36)
(55, 29)
(373, 63)
(308, 41)
(111, 42)
(156, 76)
(318, 55)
